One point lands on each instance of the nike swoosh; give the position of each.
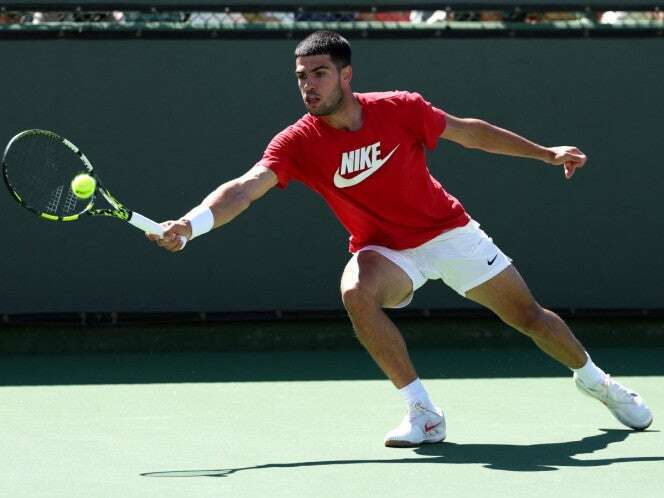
(341, 182)
(490, 262)
(428, 428)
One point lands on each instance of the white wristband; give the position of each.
(201, 220)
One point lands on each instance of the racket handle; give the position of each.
(147, 225)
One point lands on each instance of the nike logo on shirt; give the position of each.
(364, 159)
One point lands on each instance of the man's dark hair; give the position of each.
(326, 43)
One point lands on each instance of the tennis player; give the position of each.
(365, 154)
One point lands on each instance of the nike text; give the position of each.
(357, 160)
(363, 161)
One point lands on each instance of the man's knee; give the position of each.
(528, 319)
(358, 298)
(371, 281)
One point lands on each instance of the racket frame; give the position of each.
(118, 209)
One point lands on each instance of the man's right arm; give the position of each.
(225, 203)
(233, 197)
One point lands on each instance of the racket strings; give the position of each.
(40, 169)
(54, 201)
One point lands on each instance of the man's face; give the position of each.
(320, 84)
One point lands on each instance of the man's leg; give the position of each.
(507, 295)
(369, 283)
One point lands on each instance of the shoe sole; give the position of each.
(636, 428)
(407, 444)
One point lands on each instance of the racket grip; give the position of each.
(147, 225)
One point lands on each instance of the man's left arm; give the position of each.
(478, 134)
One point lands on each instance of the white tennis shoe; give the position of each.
(626, 405)
(419, 426)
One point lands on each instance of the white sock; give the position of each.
(590, 374)
(414, 393)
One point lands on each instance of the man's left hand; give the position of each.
(570, 157)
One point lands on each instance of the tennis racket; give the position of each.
(38, 167)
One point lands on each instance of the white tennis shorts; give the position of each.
(463, 258)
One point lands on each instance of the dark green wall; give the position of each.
(183, 116)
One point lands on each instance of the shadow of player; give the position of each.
(534, 457)
(507, 457)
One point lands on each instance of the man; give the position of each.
(364, 153)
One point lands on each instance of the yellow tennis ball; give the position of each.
(83, 186)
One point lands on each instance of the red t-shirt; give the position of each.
(375, 179)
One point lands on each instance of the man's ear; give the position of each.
(347, 74)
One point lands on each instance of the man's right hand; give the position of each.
(173, 230)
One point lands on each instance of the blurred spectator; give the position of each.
(11, 18)
(434, 16)
(538, 17)
(428, 16)
(147, 17)
(612, 17)
(43, 17)
(218, 18)
(265, 17)
(325, 16)
(617, 16)
(202, 19)
(492, 15)
(395, 16)
(51, 16)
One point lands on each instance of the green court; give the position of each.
(311, 424)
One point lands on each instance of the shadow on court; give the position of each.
(140, 368)
(507, 457)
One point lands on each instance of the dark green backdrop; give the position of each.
(182, 116)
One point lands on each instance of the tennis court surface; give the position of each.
(311, 424)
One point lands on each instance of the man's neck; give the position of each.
(348, 117)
